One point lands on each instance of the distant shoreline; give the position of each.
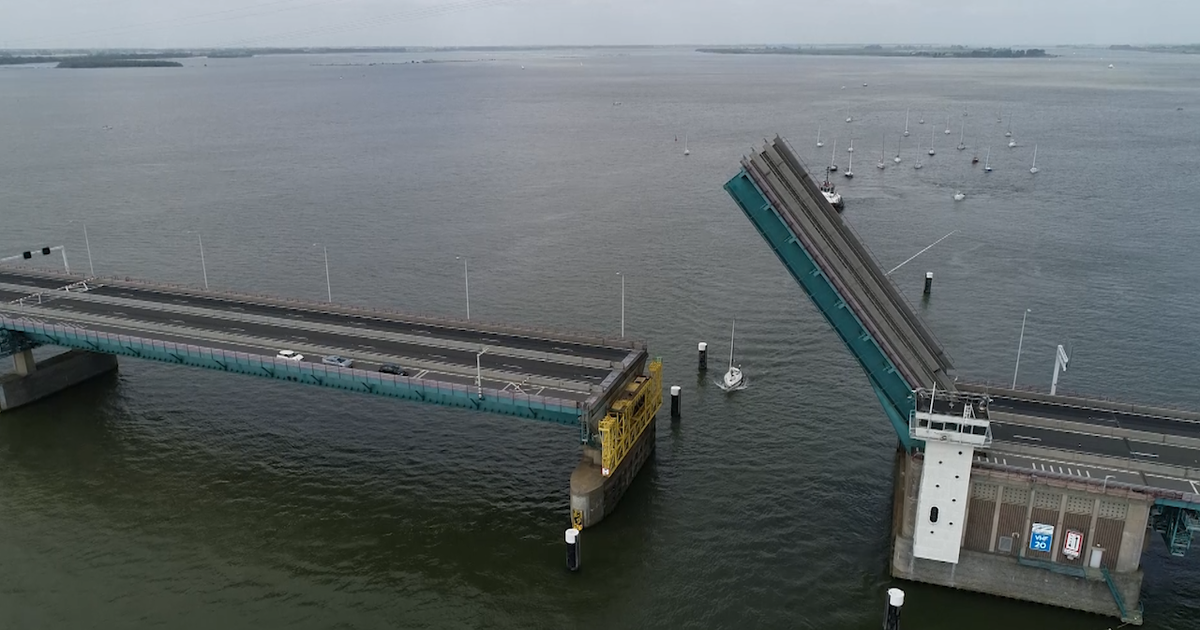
(953, 52)
(117, 63)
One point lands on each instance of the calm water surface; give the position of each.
(164, 497)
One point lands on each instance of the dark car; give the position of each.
(392, 368)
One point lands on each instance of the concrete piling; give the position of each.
(574, 559)
(675, 390)
(895, 600)
(928, 282)
(703, 356)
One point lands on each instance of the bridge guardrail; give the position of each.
(432, 320)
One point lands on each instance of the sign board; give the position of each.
(1072, 544)
(1041, 537)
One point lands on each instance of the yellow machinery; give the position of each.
(629, 416)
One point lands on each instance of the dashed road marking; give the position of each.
(1027, 437)
(421, 374)
(1141, 454)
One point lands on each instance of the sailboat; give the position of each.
(733, 377)
(987, 166)
(959, 195)
(932, 136)
(851, 149)
(833, 155)
(947, 125)
(918, 164)
(882, 151)
(1012, 143)
(961, 134)
(906, 123)
(1033, 169)
(897, 158)
(848, 117)
(921, 122)
(1008, 134)
(685, 149)
(819, 143)
(850, 168)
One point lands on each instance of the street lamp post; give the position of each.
(622, 304)
(88, 244)
(479, 370)
(203, 265)
(1104, 487)
(1020, 343)
(466, 283)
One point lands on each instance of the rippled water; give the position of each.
(164, 497)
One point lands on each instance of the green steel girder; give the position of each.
(504, 403)
(1177, 524)
(894, 392)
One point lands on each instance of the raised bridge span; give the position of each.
(1030, 456)
(608, 389)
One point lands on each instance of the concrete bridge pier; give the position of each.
(34, 380)
(593, 495)
(626, 441)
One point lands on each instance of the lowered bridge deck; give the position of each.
(1054, 436)
(556, 377)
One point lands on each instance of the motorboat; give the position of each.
(831, 195)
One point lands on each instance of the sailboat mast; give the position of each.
(731, 332)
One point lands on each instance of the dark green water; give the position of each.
(170, 498)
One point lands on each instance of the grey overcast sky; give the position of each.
(169, 23)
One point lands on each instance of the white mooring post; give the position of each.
(574, 557)
(895, 601)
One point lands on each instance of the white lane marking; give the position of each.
(299, 337)
(1027, 437)
(366, 347)
(237, 329)
(1033, 465)
(236, 308)
(1194, 488)
(1089, 473)
(421, 374)
(541, 389)
(178, 321)
(1141, 454)
(511, 366)
(438, 356)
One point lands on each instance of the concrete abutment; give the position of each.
(594, 496)
(35, 380)
(995, 558)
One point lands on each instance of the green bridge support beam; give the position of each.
(894, 392)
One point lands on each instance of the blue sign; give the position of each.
(1041, 538)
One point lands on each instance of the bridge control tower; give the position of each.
(952, 425)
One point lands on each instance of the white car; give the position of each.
(290, 355)
(335, 360)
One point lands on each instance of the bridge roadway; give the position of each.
(841, 255)
(535, 363)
